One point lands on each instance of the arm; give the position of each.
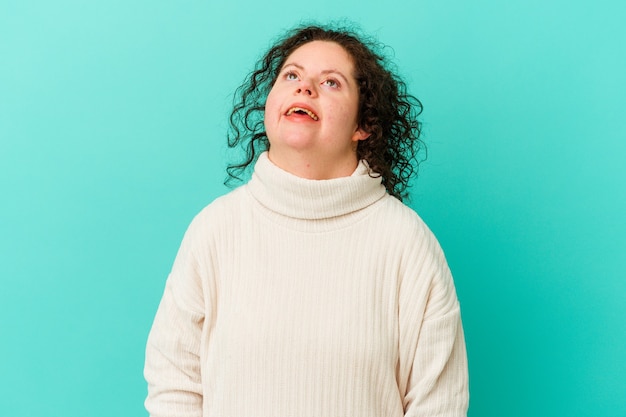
(172, 367)
(434, 374)
(438, 382)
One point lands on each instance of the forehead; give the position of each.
(322, 53)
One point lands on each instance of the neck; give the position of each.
(313, 167)
(287, 195)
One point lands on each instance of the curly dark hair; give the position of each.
(386, 110)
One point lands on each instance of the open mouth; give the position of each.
(300, 110)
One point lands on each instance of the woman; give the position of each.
(312, 290)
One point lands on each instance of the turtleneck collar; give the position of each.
(301, 198)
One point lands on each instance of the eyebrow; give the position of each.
(327, 71)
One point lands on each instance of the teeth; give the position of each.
(300, 109)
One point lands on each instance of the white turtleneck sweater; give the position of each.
(301, 298)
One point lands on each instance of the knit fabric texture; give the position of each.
(308, 298)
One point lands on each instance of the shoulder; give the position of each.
(222, 208)
(217, 215)
(405, 223)
(423, 263)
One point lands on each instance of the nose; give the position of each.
(305, 91)
(307, 88)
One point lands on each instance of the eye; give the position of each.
(290, 75)
(331, 82)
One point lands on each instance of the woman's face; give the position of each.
(312, 108)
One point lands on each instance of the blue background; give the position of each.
(112, 136)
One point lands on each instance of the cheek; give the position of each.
(270, 109)
(354, 107)
(273, 101)
(346, 112)
(271, 115)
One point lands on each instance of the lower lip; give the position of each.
(300, 117)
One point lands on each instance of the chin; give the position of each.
(296, 142)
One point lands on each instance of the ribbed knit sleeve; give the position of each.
(172, 367)
(433, 359)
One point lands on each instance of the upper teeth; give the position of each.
(307, 111)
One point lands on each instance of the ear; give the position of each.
(360, 134)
